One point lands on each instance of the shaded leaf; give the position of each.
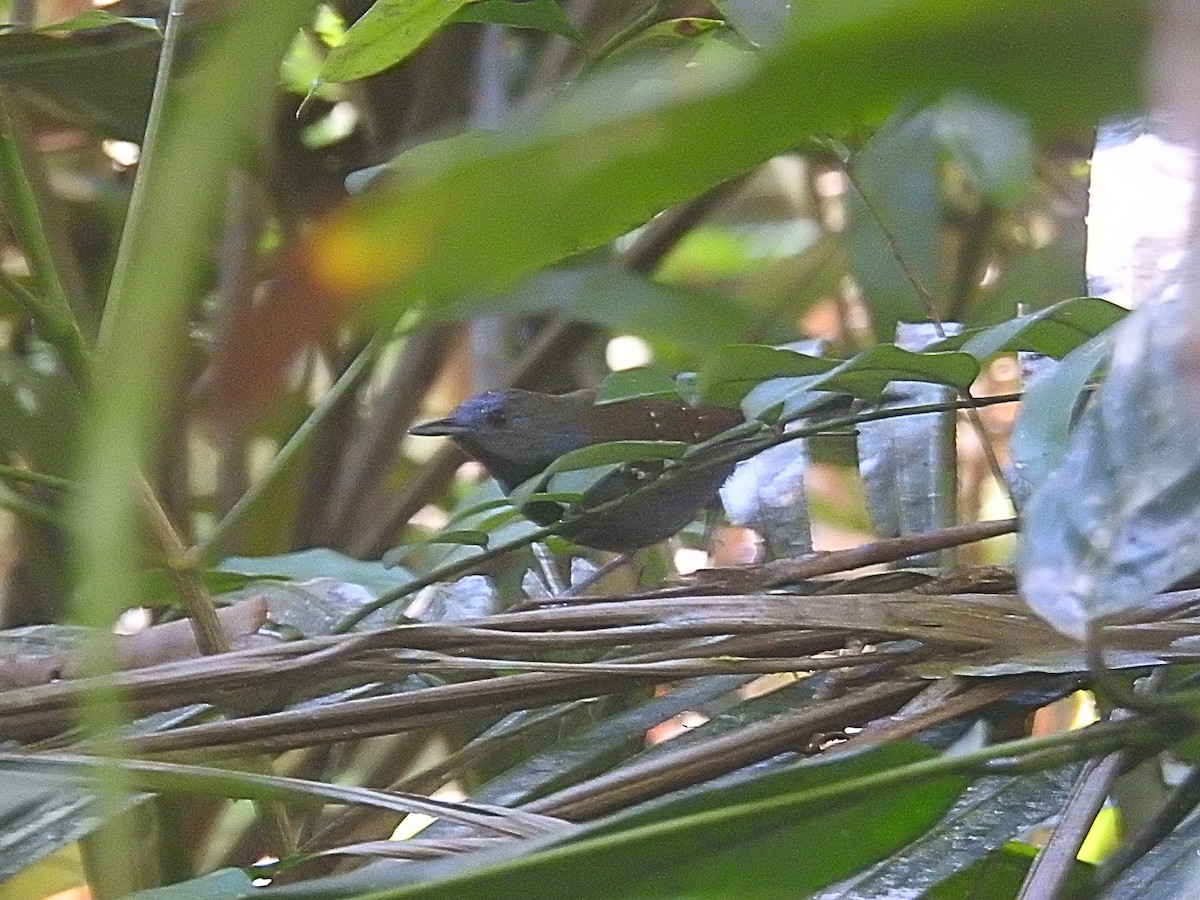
(740, 840)
(991, 144)
(866, 375)
(471, 537)
(543, 15)
(619, 299)
(1048, 410)
(898, 173)
(97, 69)
(319, 562)
(990, 814)
(616, 452)
(1000, 876)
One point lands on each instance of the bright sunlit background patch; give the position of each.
(627, 351)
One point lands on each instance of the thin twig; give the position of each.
(1052, 866)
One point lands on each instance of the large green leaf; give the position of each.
(991, 145)
(477, 211)
(896, 222)
(1118, 520)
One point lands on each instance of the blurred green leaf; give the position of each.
(618, 299)
(991, 144)
(39, 413)
(97, 70)
(666, 47)
(468, 215)
(762, 22)
(898, 172)
(385, 35)
(319, 562)
(543, 15)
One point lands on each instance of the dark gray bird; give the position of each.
(516, 434)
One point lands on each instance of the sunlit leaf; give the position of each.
(385, 35)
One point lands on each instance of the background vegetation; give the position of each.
(246, 246)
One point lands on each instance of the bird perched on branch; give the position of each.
(516, 434)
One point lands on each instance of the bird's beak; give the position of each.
(438, 427)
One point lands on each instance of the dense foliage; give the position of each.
(246, 246)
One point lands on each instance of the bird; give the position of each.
(517, 434)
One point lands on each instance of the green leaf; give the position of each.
(868, 373)
(766, 376)
(991, 144)
(543, 15)
(616, 452)
(1118, 520)
(637, 383)
(319, 562)
(618, 299)
(223, 884)
(787, 833)
(1001, 874)
(97, 70)
(467, 537)
(734, 370)
(572, 486)
(386, 34)
(898, 172)
(1048, 410)
(1054, 331)
(622, 148)
(97, 18)
(39, 412)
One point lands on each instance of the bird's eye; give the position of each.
(496, 417)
